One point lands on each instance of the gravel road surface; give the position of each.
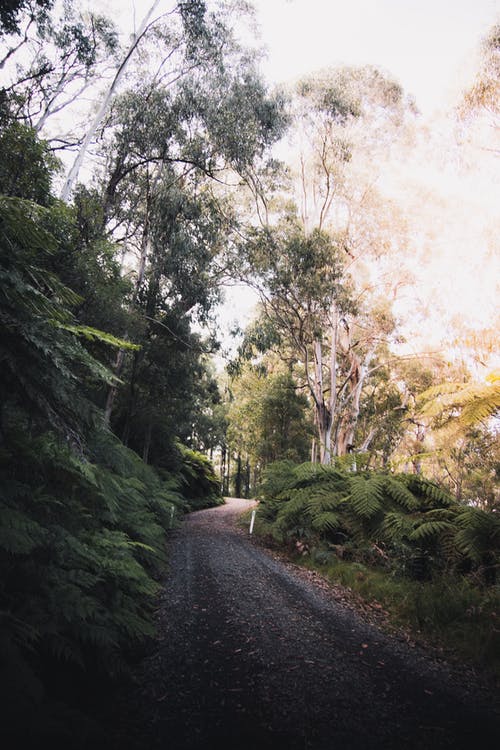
(253, 655)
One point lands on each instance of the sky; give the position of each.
(426, 44)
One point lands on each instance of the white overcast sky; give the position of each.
(428, 45)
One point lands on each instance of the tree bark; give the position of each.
(326, 407)
(238, 480)
(147, 442)
(120, 357)
(75, 169)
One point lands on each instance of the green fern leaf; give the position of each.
(326, 521)
(366, 495)
(430, 528)
(398, 492)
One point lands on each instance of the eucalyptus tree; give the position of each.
(483, 96)
(172, 153)
(60, 58)
(344, 120)
(12, 9)
(304, 295)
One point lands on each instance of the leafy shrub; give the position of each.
(200, 486)
(82, 544)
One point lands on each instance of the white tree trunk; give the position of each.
(326, 406)
(75, 169)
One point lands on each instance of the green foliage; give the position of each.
(11, 9)
(199, 484)
(402, 522)
(468, 403)
(93, 334)
(81, 544)
(82, 518)
(479, 536)
(43, 363)
(27, 164)
(267, 418)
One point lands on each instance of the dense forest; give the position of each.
(121, 225)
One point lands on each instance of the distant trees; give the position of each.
(268, 421)
(484, 94)
(329, 264)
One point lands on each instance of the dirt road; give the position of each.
(252, 655)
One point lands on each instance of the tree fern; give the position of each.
(419, 525)
(478, 534)
(468, 403)
(430, 528)
(395, 527)
(366, 495)
(42, 359)
(327, 521)
(399, 492)
(428, 493)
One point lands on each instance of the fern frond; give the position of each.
(399, 492)
(395, 526)
(478, 533)
(19, 534)
(21, 226)
(93, 334)
(65, 650)
(428, 529)
(326, 521)
(366, 495)
(468, 403)
(429, 493)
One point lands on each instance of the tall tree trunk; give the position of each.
(238, 480)
(326, 407)
(147, 441)
(141, 273)
(368, 440)
(75, 169)
(223, 469)
(228, 475)
(247, 478)
(132, 399)
(349, 421)
(314, 451)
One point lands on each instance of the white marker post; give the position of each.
(172, 511)
(252, 521)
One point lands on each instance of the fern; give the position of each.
(398, 491)
(93, 334)
(478, 534)
(430, 528)
(474, 402)
(395, 527)
(366, 495)
(419, 525)
(429, 494)
(326, 521)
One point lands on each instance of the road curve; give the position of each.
(251, 655)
